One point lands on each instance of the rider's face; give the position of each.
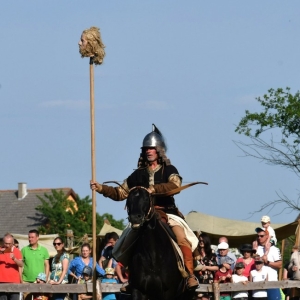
(151, 154)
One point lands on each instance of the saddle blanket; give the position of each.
(190, 235)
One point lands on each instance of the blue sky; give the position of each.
(192, 68)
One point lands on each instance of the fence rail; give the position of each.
(115, 288)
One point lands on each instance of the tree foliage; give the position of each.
(58, 214)
(281, 110)
(280, 113)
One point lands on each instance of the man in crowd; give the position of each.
(226, 252)
(35, 257)
(272, 260)
(223, 258)
(106, 259)
(10, 261)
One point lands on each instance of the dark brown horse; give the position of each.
(153, 267)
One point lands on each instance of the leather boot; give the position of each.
(192, 282)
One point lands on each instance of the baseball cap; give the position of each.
(223, 245)
(259, 229)
(265, 219)
(239, 265)
(87, 270)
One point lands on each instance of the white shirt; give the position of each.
(235, 279)
(272, 234)
(273, 255)
(259, 276)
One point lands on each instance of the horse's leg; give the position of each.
(137, 295)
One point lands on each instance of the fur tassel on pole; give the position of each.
(90, 45)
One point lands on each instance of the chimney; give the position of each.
(22, 190)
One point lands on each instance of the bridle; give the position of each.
(151, 211)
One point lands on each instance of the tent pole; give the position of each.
(282, 255)
(297, 234)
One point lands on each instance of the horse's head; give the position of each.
(139, 206)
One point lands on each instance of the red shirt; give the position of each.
(220, 274)
(248, 268)
(9, 270)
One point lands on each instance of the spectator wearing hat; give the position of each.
(224, 239)
(271, 258)
(109, 278)
(239, 277)
(223, 257)
(247, 251)
(260, 273)
(265, 223)
(40, 279)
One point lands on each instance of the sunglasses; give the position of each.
(57, 244)
(258, 262)
(261, 235)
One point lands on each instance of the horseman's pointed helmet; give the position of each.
(154, 139)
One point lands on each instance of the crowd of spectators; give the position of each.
(259, 261)
(32, 264)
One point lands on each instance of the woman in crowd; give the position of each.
(59, 267)
(85, 259)
(247, 251)
(207, 264)
(78, 263)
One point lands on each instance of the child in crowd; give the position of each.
(259, 274)
(40, 279)
(223, 275)
(265, 223)
(86, 277)
(109, 278)
(239, 277)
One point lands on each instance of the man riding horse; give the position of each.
(155, 167)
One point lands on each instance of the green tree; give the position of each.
(58, 214)
(280, 115)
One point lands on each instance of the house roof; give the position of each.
(19, 215)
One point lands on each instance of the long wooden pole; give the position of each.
(93, 161)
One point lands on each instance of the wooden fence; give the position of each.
(115, 288)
